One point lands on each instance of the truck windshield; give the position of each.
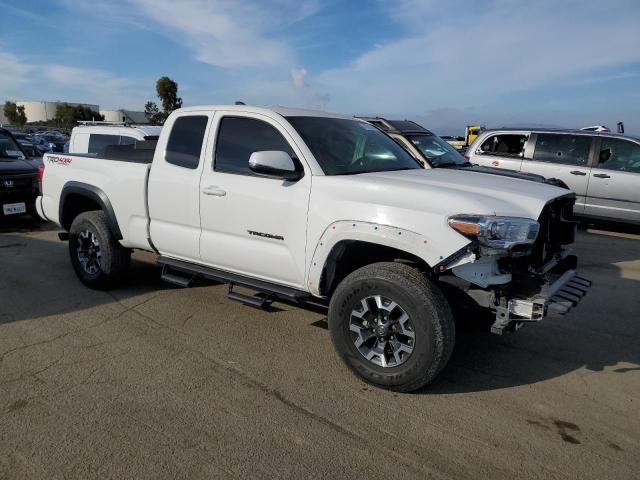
(437, 151)
(348, 147)
(9, 148)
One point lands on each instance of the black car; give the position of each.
(18, 177)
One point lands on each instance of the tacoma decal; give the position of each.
(59, 160)
(265, 235)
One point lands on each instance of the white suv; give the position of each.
(94, 138)
(602, 168)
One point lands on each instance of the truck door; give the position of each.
(563, 156)
(614, 186)
(251, 224)
(174, 188)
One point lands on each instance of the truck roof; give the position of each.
(571, 131)
(284, 111)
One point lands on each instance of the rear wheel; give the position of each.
(97, 258)
(392, 326)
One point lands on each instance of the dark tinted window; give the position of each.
(505, 145)
(239, 137)
(185, 141)
(98, 142)
(124, 140)
(565, 149)
(346, 147)
(621, 155)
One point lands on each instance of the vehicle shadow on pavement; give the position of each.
(50, 286)
(599, 334)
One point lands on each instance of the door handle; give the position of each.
(213, 190)
(577, 172)
(601, 175)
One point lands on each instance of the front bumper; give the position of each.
(554, 298)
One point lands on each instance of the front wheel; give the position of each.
(391, 326)
(97, 258)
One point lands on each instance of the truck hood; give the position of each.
(444, 192)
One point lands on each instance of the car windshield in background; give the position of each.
(9, 148)
(347, 147)
(437, 151)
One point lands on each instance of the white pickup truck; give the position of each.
(302, 205)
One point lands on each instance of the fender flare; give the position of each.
(95, 194)
(345, 230)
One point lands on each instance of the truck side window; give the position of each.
(98, 142)
(185, 141)
(504, 145)
(565, 149)
(239, 137)
(621, 155)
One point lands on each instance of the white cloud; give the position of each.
(25, 80)
(449, 58)
(299, 77)
(15, 73)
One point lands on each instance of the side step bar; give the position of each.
(183, 274)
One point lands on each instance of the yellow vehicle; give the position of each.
(470, 134)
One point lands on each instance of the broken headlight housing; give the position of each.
(496, 232)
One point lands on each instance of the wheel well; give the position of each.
(347, 256)
(74, 205)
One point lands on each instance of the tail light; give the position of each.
(40, 176)
(467, 158)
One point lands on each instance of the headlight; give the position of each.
(496, 232)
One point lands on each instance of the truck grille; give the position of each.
(11, 185)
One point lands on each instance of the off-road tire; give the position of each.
(424, 303)
(114, 259)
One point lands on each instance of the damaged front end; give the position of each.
(518, 268)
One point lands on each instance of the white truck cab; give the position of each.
(302, 205)
(94, 137)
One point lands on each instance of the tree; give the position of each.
(67, 116)
(15, 114)
(167, 91)
(152, 113)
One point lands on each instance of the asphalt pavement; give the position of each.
(151, 381)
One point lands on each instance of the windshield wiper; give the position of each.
(452, 165)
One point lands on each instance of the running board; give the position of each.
(184, 273)
(259, 301)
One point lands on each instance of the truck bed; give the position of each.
(123, 183)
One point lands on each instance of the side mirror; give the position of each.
(275, 164)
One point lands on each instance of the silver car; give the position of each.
(603, 169)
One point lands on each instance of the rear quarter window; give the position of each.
(563, 149)
(185, 141)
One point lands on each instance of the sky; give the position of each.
(446, 64)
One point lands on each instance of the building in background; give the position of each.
(126, 116)
(44, 111)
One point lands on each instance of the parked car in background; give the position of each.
(95, 137)
(434, 152)
(53, 142)
(28, 144)
(602, 168)
(18, 177)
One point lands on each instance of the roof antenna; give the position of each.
(238, 102)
